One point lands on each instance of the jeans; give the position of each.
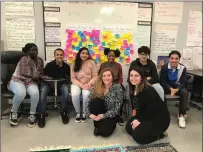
(45, 89)
(75, 94)
(20, 90)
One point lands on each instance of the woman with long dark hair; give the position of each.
(83, 77)
(150, 113)
(104, 103)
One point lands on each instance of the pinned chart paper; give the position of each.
(194, 34)
(19, 9)
(197, 57)
(187, 58)
(165, 40)
(52, 34)
(19, 32)
(168, 12)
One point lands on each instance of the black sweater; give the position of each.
(150, 108)
(149, 70)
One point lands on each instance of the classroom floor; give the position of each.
(21, 138)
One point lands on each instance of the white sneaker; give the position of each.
(181, 121)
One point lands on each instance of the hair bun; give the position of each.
(106, 51)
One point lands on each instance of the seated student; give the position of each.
(116, 67)
(83, 77)
(148, 65)
(173, 78)
(25, 80)
(56, 69)
(105, 100)
(150, 114)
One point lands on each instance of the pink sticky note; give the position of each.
(67, 30)
(100, 48)
(98, 55)
(131, 46)
(122, 47)
(125, 42)
(131, 51)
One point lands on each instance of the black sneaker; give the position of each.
(41, 121)
(84, 118)
(96, 133)
(14, 118)
(31, 120)
(64, 117)
(120, 120)
(78, 118)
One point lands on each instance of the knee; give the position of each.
(64, 89)
(105, 133)
(34, 93)
(128, 128)
(20, 94)
(75, 90)
(139, 138)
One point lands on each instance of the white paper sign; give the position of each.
(165, 38)
(144, 14)
(50, 53)
(143, 36)
(194, 35)
(52, 34)
(187, 58)
(19, 9)
(19, 32)
(197, 57)
(51, 16)
(168, 12)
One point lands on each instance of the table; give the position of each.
(55, 89)
(197, 85)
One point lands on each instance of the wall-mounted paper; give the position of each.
(187, 58)
(168, 12)
(50, 53)
(19, 32)
(197, 57)
(52, 34)
(52, 16)
(144, 14)
(143, 36)
(165, 38)
(19, 8)
(194, 35)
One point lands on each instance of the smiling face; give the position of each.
(135, 78)
(84, 55)
(33, 52)
(111, 56)
(143, 57)
(59, 56)
(107, 78)
(174, 60)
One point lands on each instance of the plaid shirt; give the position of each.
(26, 69)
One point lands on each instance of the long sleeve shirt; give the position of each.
(86, 75)
(113, 100)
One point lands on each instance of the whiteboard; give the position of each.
(130, 20)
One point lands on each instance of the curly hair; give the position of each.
(108, 50)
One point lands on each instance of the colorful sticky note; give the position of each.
(117, 36)
(131, 51)
(103, 43)
(126, 52)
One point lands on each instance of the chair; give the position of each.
(9, 60)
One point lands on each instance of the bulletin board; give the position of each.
(96, 25)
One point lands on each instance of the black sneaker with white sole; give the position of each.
(31, 120)
(84, 117)
(14, 118)
(78, 118)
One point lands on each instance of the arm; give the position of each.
(154, 78)
(67, 73)
(183, 80)
(120, 74)
(73, 77)
(118, 99)
(163, 79)
(94, 74)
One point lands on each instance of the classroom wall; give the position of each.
(181, 36)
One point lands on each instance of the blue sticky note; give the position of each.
(91, 52)
(103, 43)
(77, 48)
(95, 44)
(120, 59)
(80, 33)
(89, 46)
(126, 52)
(73, 47)
(97, 60)
(80, 44)
(117, 36)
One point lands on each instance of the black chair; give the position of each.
(9, 60)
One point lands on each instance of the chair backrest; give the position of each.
(9, 60)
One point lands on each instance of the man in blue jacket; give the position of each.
(173, 78)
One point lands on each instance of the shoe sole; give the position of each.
(83, 121)
(13, 123)
(31, 125)
(78, 121)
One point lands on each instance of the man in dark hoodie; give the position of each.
(173, 78)
(148, 65)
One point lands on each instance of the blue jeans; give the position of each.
(20, 90)
(45, 90)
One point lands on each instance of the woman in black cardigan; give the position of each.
(150, 113)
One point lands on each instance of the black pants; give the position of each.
(184, 102)
(105, 126)
(146, 132)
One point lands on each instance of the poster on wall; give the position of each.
(165, 38)
(19, 9)
(168, 12)
(19, 32)
(197, 58)
(187, 58)
(194, 34)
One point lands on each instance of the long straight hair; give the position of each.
(99, 85)
(144, 83)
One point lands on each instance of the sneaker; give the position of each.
(64, 117)
(181, 121)
(78, 118)
(31, 120)
(96, 132)
(120, 120)
(84, 118)
(14, 118)
(41, 121)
